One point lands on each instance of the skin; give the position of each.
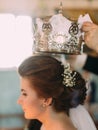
(35, 107)
(90, 35)
(29, 100)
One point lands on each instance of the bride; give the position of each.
(53, 94)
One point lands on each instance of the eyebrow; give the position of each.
(22, 90)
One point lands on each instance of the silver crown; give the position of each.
(58, 35)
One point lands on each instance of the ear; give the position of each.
(47, 102)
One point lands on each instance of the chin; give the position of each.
(28, 116)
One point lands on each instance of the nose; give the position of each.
(19, 101)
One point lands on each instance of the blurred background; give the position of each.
(16, 43)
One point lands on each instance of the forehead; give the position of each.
(25, 81)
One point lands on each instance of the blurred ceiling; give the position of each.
(35, 8)
(46, 7)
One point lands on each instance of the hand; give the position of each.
(90, 35)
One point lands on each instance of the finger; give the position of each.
(86, 39)
(87, 23)
(86, 28)
(89, 28)
(86, 35)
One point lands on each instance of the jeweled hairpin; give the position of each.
(68, 76)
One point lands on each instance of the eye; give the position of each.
(24, 94)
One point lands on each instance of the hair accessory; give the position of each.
(68, 76)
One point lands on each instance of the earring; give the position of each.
(43, 105)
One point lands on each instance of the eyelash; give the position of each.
(24, 94)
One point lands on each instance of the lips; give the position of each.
(23, 109)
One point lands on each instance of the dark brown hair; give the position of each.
(45, 73)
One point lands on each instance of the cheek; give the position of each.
(33, 109)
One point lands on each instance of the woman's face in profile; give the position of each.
(29, 101)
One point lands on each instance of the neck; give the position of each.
(52, 120)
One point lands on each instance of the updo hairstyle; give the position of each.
(45, 74)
